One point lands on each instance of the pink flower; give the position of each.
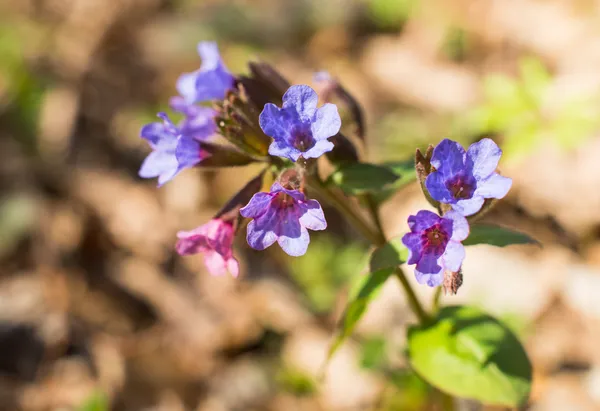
(215, 240)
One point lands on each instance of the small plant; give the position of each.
(261, 118)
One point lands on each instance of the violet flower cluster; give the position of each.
(262, 118)
(297, 129)
(461, 182)
(175, 148)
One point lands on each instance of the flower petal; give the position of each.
(233, 266)
(215, 263)
(413, 243)
(303, 99)
(422, 221)
(282, 149)
(496, 186)
(321, 147)
(275, 122)
(189, 152)
(436, 186)
(485, 155)
(469, 206)
(448, 157)
(454, 256)
(294, 244)
(312, 215)
(190, 242)
(260, 236)
(186, 86)
(327, 122)
(258, 205)
(199, 121)
(432, 280)
(428, 264)
(159, 163)
(157, 136)
(460, 225)
(213, 85)
(209, 53)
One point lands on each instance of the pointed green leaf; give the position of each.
(390, 255)
(406, 171)
(470, 354)
(357, 306)
(362, 178)
(496, 235)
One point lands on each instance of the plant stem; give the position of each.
(376, 236)
(343, 207)
(413, 301)
(373, 209)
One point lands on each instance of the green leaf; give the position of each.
(390, 255)
(373, 352)
(498, 236)
(470, 354)
(355, 309)
(407, 173)
(362, 178)
(95, 402)
(534, 77)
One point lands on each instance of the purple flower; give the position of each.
(199, 122)
(299, 128)
(434, 244)
(465, 179)
(215, 240)
(172, 151)
(211, 81)
(284, 216)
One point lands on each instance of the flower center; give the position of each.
(435, 238)
(303, 140)
(461, 187)
(283, 200)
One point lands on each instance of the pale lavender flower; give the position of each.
(465, 179)
(299, 128)
(211, 81)
(172, 151)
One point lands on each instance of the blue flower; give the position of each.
(198, 122)
(284, 216)
(172, 151)
(465, 179)
(434, 244)
(299, 128)
(211, 81)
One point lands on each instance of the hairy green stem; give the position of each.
(376, 236)
(413, 301)
(343, 207)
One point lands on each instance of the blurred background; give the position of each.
(97, 312)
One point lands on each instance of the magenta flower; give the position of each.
(214, 239)
(299, 128)
(465, 179)
(284, 216)
(210, 82)
(434, 244)
(172, 151)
